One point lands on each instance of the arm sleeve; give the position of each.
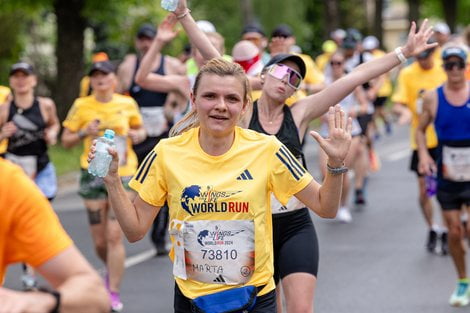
(149, 181)
(287, 176)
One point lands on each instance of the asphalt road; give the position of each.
(377, 263)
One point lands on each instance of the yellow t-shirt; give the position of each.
(322, 60)
(386, 88)
(119, 114)
(85, 89)
(30, 231)
(199, 187)
(411, 84)
(4, 92)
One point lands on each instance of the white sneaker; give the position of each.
(460, 297)
(344, 215)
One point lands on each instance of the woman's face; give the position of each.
(279, 89)
(102, 82)
(337, 65)
(22, 83)
(219, 103)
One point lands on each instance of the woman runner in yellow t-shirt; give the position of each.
(217, 179)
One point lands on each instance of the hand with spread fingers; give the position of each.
(166, 30)
(336, 146)
(418, 41)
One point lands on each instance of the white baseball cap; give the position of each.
(442, 28)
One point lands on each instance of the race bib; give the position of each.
(214, 252)
(27, 162)
(456, 163)
(154, 120)
(121, 148)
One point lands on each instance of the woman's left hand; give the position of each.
(336, 146)
(418, 41)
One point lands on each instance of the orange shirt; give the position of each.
(30, 231)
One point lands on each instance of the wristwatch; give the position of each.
(336, 170)
(81, 134)
(55, 294)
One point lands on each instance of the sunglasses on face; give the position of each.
(336, 63)
(448, 66)
(280, 71)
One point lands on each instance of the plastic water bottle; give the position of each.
(169, 5)
(431, 184)
(99, 166)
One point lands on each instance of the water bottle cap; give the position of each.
(109, 133)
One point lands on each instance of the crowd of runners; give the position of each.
(212, 142)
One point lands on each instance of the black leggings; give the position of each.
(295, 244)
(264, 304)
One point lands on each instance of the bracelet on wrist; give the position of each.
(336, 170)
(179, 17)
(400, 55)
(81, 134)
(56, 296)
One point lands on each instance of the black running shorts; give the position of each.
(295, 244)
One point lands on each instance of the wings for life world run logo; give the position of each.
(216, 237)
(194, 200)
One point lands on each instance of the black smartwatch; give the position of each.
(55, 294)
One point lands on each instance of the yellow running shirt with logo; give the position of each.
(119, 114)
(220, 212)
(412, 82)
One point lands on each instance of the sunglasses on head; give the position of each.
(448, 66)
(336, 63)
(280, 71)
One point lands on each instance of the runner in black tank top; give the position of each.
(28, 140)
(294, 237)
(147, 100)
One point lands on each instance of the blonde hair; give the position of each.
(219, 67)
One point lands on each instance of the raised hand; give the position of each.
(166, 29)
(336, 146)
(418, 41)
(181, 8)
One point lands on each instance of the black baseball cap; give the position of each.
(279, 58)
(22, 67)
(253, 28)
(146, 31)
(349, 42)
(282, 30)
(103, 66)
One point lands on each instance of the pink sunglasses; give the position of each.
(280, 71)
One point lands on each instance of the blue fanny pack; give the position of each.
(235, 300)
